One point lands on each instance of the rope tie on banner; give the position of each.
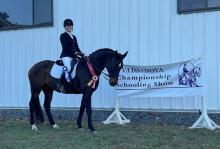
(94, 76)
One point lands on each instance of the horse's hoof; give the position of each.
(55, 126)
(81, 129)
(93, 131)
(34, 127)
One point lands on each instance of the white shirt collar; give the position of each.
(70, 34)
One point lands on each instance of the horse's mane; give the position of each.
(101, 51)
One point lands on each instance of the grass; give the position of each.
(18, 135)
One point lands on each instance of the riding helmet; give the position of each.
(67, 22)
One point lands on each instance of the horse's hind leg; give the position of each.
(34, 107)
(48, 92)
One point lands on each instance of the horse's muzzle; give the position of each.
(113, 81)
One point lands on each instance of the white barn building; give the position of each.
(151, 30)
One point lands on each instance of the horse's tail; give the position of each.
(35, 107)
(38, 111)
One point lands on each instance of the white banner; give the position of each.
(171, 80)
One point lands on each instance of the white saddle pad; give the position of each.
(57, 71)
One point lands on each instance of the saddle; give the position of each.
(60, 84)
(59, 62)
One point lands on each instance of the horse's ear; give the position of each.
(116, 52)
(124, 55)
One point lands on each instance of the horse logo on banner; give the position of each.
(188, 74)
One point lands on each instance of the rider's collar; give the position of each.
(70, 34)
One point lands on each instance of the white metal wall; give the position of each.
(151, 30)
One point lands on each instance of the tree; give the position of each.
(4, 15)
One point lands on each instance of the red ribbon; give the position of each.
(94, 76)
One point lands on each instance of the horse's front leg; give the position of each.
(89, 113)
(81, 111)
(87, 98)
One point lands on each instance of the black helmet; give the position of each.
(67, 22)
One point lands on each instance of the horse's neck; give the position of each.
(98, 65)
(99, 62)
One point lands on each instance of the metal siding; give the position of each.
(217, 62)
(212, 57)
(151, 30)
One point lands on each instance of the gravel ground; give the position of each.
(137, 117)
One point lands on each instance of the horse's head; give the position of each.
(113, 66)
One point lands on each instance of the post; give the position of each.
(116, 116)
(204, 121)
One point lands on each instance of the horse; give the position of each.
(83, 83)
(189, 78)
(196, 72)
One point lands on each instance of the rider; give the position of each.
(70, 48)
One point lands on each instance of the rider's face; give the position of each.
(69, 28)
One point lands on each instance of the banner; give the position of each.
(171, 80)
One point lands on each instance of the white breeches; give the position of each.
(67, 62)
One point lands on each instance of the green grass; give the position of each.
(18, 135)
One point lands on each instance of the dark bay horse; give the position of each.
(40, 80)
